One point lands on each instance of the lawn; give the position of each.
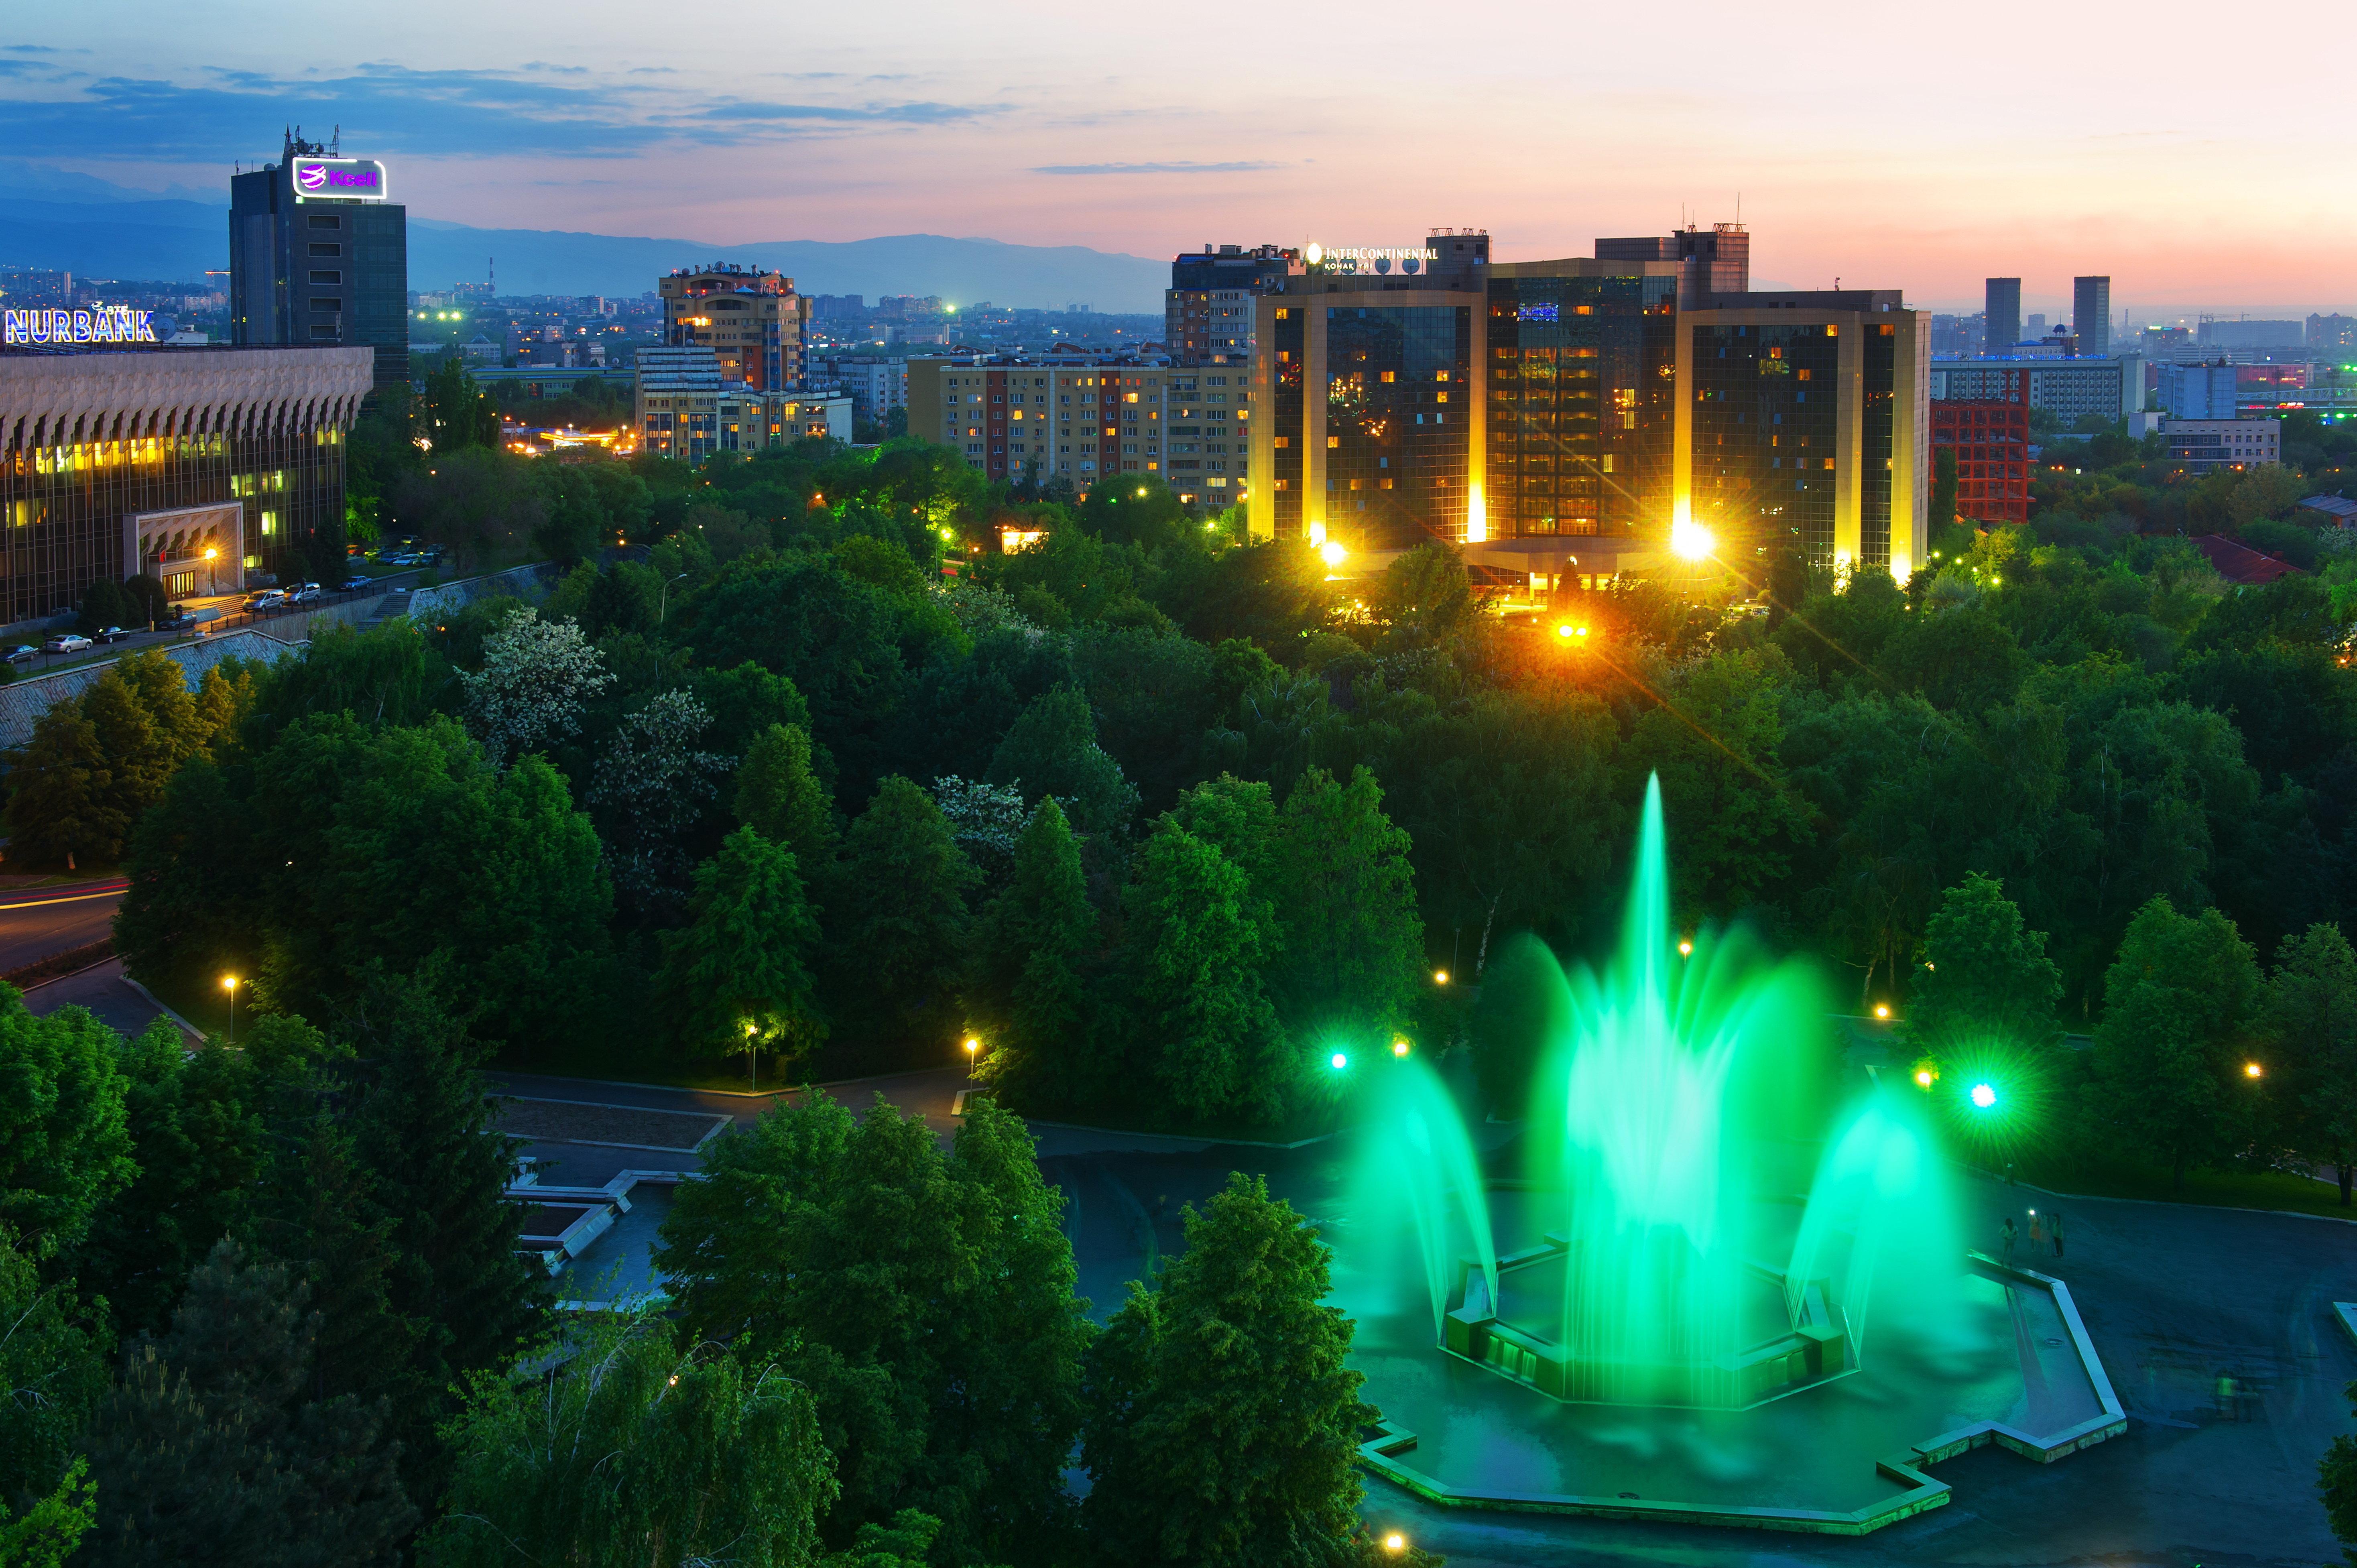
(2102, 1177)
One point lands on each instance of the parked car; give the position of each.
(268, 600)
(112, 634)
(303, 593)
(357, 584)
(66, 642)
(23, 653)
(186, 620)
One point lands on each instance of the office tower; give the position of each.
(749, 318)
(1711, 262)
(1581, 399)
(2001, 316)
(317, 254)
(1990, 437)
(2091, 315)
(1207, 313)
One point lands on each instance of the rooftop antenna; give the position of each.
(336, 141)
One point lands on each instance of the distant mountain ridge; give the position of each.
(181, 241)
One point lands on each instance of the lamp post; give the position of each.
(972, 1050)
(752, 1061)
(212, 579)
(662, 600)
(229, 983)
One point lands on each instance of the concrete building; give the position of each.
(1206, 312)
(2065, 387)
(1080, 417)
(318, 256)
(684, 406)
(2001, 315)
(1990, 437)
(875, 383)
(192, 465)
(2199, 446)
(2332, 335)
(2091, 315)
(2200, 392)
(2248, 334)
(751, 319)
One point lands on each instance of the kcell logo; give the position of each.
(312, 177)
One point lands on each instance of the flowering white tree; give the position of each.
(536, 677)
(651, 784)
(985, 819)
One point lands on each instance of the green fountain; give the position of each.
(1712, 1275)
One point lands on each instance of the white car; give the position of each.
(68, 642)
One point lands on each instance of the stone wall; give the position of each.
(23, 701)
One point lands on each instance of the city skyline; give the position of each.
(1069, 127)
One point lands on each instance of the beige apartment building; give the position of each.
(1017, 419)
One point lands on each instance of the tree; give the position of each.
(1943, 489)
(2337, 1480)
(439, 1171)
(1030, 999)
(62, 799)
(1354, 952)
(926, 1302)
(899, 945)
(628, 1451)
(1223, 1426)
(986, 819)
(64, 1150)
(738, 973)
(650, 787)
(2178, 1005)
(211, 1450)
(2311, 1015)
(779, 797)
(106, 603)
(537, 677)
(1985, 977)
(1196, 949)
(455, 413)
(52, 1375)
(1052, 750)
(1425, 599)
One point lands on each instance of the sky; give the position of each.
(1923, 147)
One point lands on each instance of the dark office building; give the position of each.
(1581, 368)
(318, 255)
(193, 466)
(2001, 315)
(1711, 262)
(2091, 316)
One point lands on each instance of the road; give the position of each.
(36, 923)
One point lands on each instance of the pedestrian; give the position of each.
(2054, 1228)
(2037, 1231)
(2005, 1237)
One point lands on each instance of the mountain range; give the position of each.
(138, 236)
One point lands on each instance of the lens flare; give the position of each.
(1983, 1095)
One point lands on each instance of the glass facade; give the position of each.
(1288, 338)
(1766, 436)
(1399, 423)
(1583, 399)
(1876, 477)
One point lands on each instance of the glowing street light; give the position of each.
(1924, 1077)
(1399, 1044)
(1395, 1541)
(229, 983)
(1690, 541)
(1330, 551)
(1686, 947)
(1439, 977)
(1882, 1009)
(2253, 1070)
(1984, 1096)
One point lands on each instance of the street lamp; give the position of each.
(229, 983)
(1439, 977)
(662, 600)
(212, 584)
(2253, 1070)
(752, 1061)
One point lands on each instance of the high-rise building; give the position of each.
(2091, 315)
(1990, 437)
(1079, 418)
(2001, 315)
(1711, 262)
(2199, 392)
(1207, 314)
(2068, 388)
(317, 254)
(1555, 418)
(686, 406)
(2333, 334)
(749, 317)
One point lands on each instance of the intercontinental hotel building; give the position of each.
(1553, 419)
(191, 465)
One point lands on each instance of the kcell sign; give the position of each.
(340, 179)
(107, 323)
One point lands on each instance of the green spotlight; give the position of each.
(1984, 1096)
(1339, 1061)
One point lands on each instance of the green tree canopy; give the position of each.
(1354, 952)
(65, 1150)
(738, 972)
(2179, 1003)
(1197, 947)
(1985, 977)
(2311, 1017)
(1030, 1000)
(1052, 750)
(898, 947)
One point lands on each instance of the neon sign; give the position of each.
(105, 324)
(1354, 259)
(341, 179)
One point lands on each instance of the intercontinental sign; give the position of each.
(1349, 259)
(105, 324)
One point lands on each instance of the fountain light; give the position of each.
(1924, 1076)
(1338, 1062)
(1686, 947)
(1984, 1096)
(1399, 1044)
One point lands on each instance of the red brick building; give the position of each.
(1991, 439)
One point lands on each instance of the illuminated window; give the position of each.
(1333, 441)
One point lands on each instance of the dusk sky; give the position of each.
(1916, 147)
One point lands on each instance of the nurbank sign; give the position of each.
(107, 323)
(340, 179)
